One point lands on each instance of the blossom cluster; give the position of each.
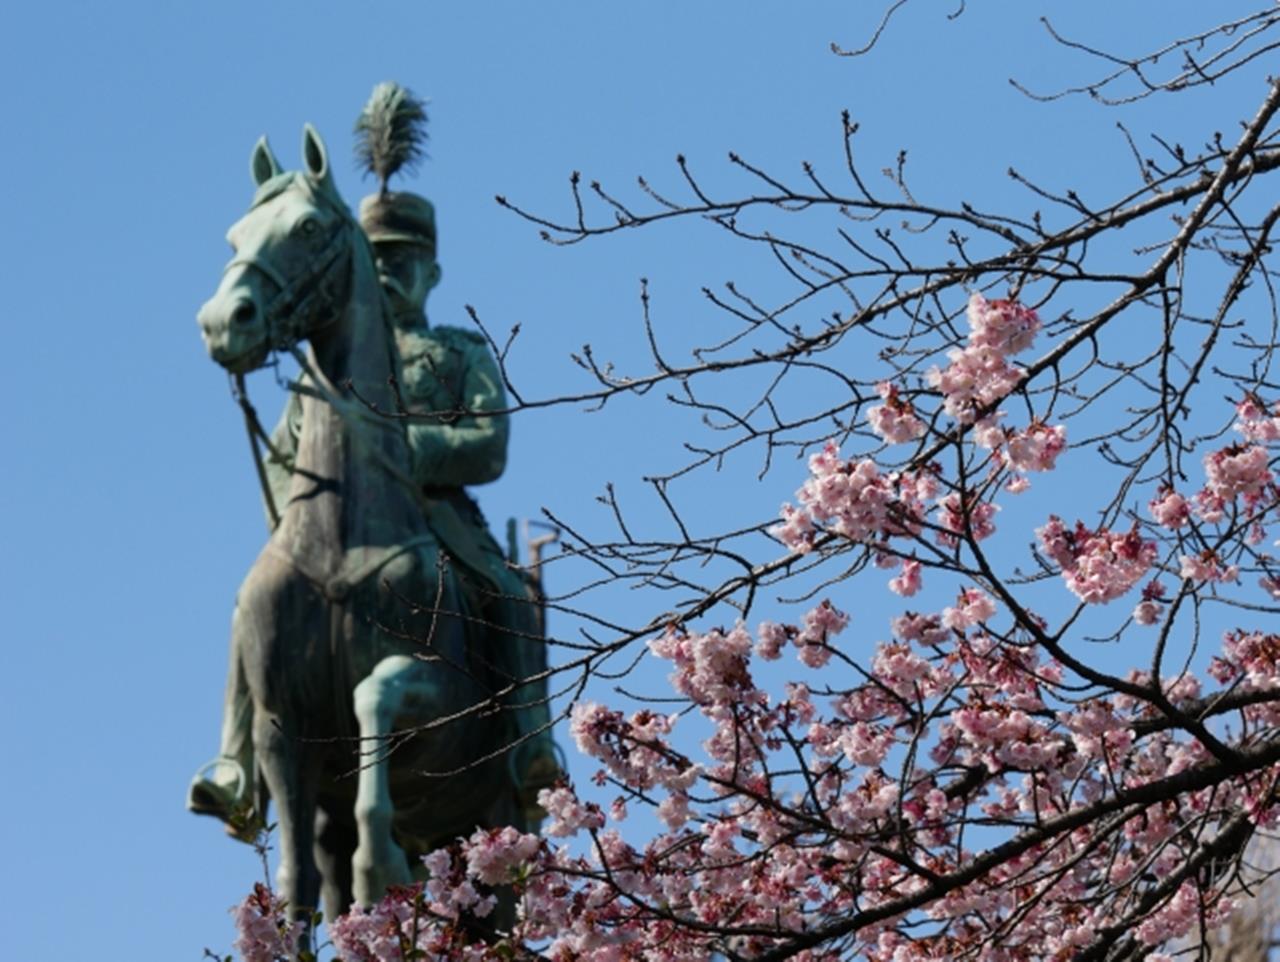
(1034, 448)
(403, 925)
(1240, 488)
(432, 921)
(1238, 474)
(265, 932)
(958, 516)
(856, 500)
(1256, 421)
(979, 375)
(1099, 565)
(895, 420)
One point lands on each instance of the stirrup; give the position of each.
(233, 806)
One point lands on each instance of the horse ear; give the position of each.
(314, 155)
(263, 164)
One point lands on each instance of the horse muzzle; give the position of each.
(234, 333)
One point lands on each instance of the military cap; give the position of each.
(399, 216)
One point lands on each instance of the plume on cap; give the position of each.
(391, 132)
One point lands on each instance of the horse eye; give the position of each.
(307, 225)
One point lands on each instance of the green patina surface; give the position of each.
(366, 511)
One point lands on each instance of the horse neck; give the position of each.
(343, 495)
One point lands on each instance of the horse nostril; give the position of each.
(244, 313)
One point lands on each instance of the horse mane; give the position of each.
(362, 247)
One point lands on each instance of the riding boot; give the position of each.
(226, 787)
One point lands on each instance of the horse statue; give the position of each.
(348, 626)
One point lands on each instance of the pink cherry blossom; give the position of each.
(796, 531)
(895, 420)
(1017, 484)
(1179, 915)
(383, 933)
(976, 377)
(1256, 422)
(770, 639)
(674, 810)
(568, 815)
(908, 582)
(1006, 326)
(1208, 506)
(1146, 613)
(989, 433)
(923, 629)
(1206, 567)
(1096, 729)
(711, 667)
(1037, 448)
(903, 671)
(951, 516)
(973, 607)
(731, 865)
(823, 621)
(1253, 656)
(1149, 609)
(265, 932)
(1170, 509)
(1237, 470)
(855, 500)
(492, 856)
(1098, 566)
(865, 744)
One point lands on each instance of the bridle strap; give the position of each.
(307, 294)
(261, 267)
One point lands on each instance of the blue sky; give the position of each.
(128, 505)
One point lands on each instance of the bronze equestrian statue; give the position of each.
(332, 667)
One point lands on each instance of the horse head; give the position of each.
(284, 279)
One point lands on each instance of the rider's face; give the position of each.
(407, 272)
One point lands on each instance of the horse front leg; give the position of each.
(335, 846)
(289, 773)
(395, 687)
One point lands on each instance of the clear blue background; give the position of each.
(128, 504)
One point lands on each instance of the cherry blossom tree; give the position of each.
(1056, 452)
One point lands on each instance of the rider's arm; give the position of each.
(473, 448)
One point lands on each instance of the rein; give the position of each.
(253, 427)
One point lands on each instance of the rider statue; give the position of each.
(457, 431)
